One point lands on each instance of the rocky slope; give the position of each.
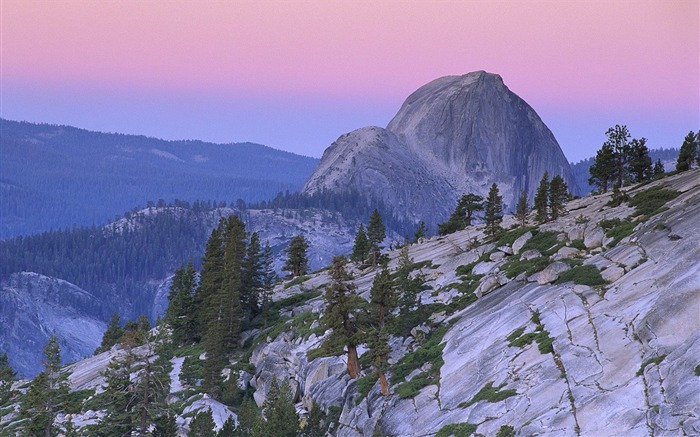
(457, 134)
(530, 348)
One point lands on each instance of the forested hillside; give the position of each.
(59, 176)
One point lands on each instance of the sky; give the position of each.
(295, 75)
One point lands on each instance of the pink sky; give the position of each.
(296, 75)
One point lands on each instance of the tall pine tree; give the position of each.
(688, 152)
(522, 209)
(463, 215)
(297, 260)
(493, 213)
(640, 161)
(542, 200)
(360, 250)
(252, 278)
(602, 171)
(383, 299)
(376, 233)
(558, 194)
(180, 312)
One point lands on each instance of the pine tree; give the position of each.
(420, 232)
(688, 151)
(252, 278)
(558, 193)
(297, 259)
(541, 200)
(166, 426)
(7, 377)
(281, 418)
(228, 298)
(522, 208)
(603, 169)
(119, 395)
(151, 386)
(202, 425)
(383, 299)
(463, 215)
(46, 394)
(316, 425)
(340, 313)
(658, 169)
(493, 213)
(268, 281)
(360, 250)
(180, 312)
(111, 336)
(407, 288)
(376, 233)
(228, 428)
(248, 417)
(640, 161)
(618, 139)
(211, 279)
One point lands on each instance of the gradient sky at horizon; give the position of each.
(295, 75)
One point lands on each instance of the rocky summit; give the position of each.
(455, 135)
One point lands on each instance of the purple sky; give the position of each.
(296, 75)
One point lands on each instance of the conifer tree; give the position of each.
(558, 193)
(640, 161)
(112, 335)
(7, 377)
(493, 213)
(211, 279)
(522, 209)
(46, 394)
(407, 288)
(252, 278)
(297, 259)
(166, 426)
(202, 425)
(228, 428)
(463, 215)
(180, 312)
(248, 418)
(383, 299)
(119, 395)
(658, 169)
(603, 169)
(360, 250)
(340, 314)
(420, 232)
(281, 418)
(151, 386)
(688, 152)
(316, 425)
(268, 281)
(541, 200)
(618, 139)
(376, 233)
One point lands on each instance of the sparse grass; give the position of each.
(519, 338)
(506, 431)
(509, 237)
(622, 229)
(655, 360)
(515, 266)
(465, 269)
(515, 334)
(410, 389)
(545, 242)
(457, 430)
(296, 281)
(584, 275)
(651, 202)
(430, 351)
(491, 394)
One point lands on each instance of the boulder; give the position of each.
(497, 256)
(551, 272)
(594, 237)
(530, 254)
(576, 232)
(487, 284)
(520, 242)
(506, 249)
(566, 253)
(483, 268)
(612, 273)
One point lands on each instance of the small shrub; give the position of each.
(430, 351)
(545, 242)
(410, 389)
(661, 226)
(650, 202)
(655, 360)
(491, 394)
(506, 431)
(465, 269)
(515, 266)
(515, 334)
(365, 384)
(508, 238)
(457, 430)
(609, 223)
(296, 281)
(697, 370)
(674, 237)
(584, 275)
(623, 229)
(578, 244)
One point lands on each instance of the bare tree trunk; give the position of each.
(383, 384)
(353, 363)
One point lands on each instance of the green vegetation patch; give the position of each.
(410, 389)
(697, 370)
(74, 400)
(296, 281)
(622, 229)
(465, 269)
(429, 352)
(545, 242)
(578, 244)
(457, 430)
(655, 360)
(519, 338)
(651, 202)
(515, 266)
(365, 384)
(509, 237)
(584, 275)
(506, 431)
(491, 394)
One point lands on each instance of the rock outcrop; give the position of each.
(457, 134)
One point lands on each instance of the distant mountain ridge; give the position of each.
(59, 176)
(454, 135)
